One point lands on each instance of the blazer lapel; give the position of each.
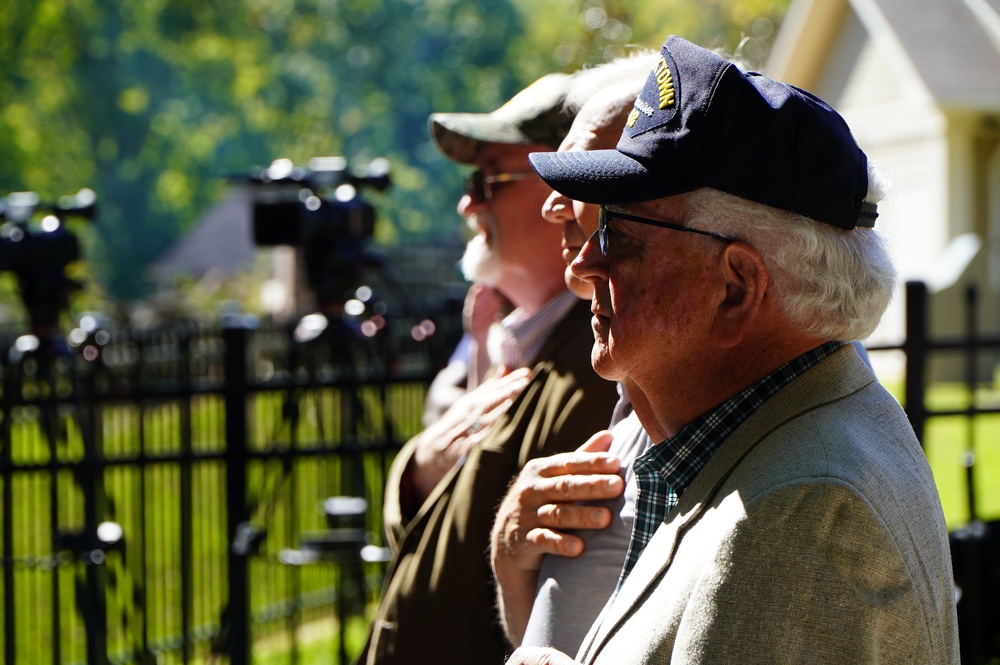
(655, 560)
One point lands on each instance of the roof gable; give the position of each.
(951, 48)
(222, 240)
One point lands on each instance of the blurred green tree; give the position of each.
(149, 101)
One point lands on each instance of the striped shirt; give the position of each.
(666, 470)
(523, 336)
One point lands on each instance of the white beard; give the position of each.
(479, 262)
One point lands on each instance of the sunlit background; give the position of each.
(159, 110)
(151, 103)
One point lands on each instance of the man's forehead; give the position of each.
(596, 127)
(580, 137)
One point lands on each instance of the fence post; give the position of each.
(971, 353)
(7, 530)
(915, 348)
(234, 336)
(91, 480)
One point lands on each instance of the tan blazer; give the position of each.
(438, 603)
(813, 535)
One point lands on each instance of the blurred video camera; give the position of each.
(37, 247)
(318, 209)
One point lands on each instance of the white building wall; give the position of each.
(897, 124)
(993, 218)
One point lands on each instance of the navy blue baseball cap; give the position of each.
(702, 122)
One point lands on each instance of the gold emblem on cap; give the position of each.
(665, 82)
(632, 117)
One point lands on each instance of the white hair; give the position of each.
(631, 70)
(830, 282)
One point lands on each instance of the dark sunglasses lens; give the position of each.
(475, 187)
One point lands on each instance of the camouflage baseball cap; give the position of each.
(534, 115)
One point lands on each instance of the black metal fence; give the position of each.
(976, 546)
(163, 492)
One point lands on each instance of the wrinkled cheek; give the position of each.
(631, 308)
(669, 314)
(633, 303)
(650, 309)
(619, 336)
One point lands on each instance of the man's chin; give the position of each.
(602, 363)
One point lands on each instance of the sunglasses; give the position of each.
(479, 185)
(604, 231)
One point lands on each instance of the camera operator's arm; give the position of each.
(540, 506)
(430, 455)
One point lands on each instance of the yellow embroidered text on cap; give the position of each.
(665, 82)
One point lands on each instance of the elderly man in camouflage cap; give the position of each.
(541, 395)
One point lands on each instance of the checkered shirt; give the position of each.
(665, 470)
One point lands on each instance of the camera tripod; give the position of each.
(39, 373)
(344, 346)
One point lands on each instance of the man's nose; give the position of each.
(590, 265)
(557, 209)
(468, 206)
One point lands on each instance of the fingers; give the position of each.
(548, 522)
(505, 381)
(574, 487)
(552, 504)
(566, 516)
(465, 424)
(553, 542)
(575, 463)
(479, 408)
(480, 427)
(600, 442)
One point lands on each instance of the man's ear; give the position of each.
(746, 282)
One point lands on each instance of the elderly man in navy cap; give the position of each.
(786, 512)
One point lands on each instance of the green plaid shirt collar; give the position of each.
(666, 470)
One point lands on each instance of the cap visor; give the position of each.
(460, 136)
(604, 176)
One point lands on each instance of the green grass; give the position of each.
(317, 643)
(948, 442)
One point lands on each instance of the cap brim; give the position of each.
(460, 136)
(605, 176)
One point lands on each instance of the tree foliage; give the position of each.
(149, 101)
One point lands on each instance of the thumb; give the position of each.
(598, 443)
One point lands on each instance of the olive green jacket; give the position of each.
(438, 603)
